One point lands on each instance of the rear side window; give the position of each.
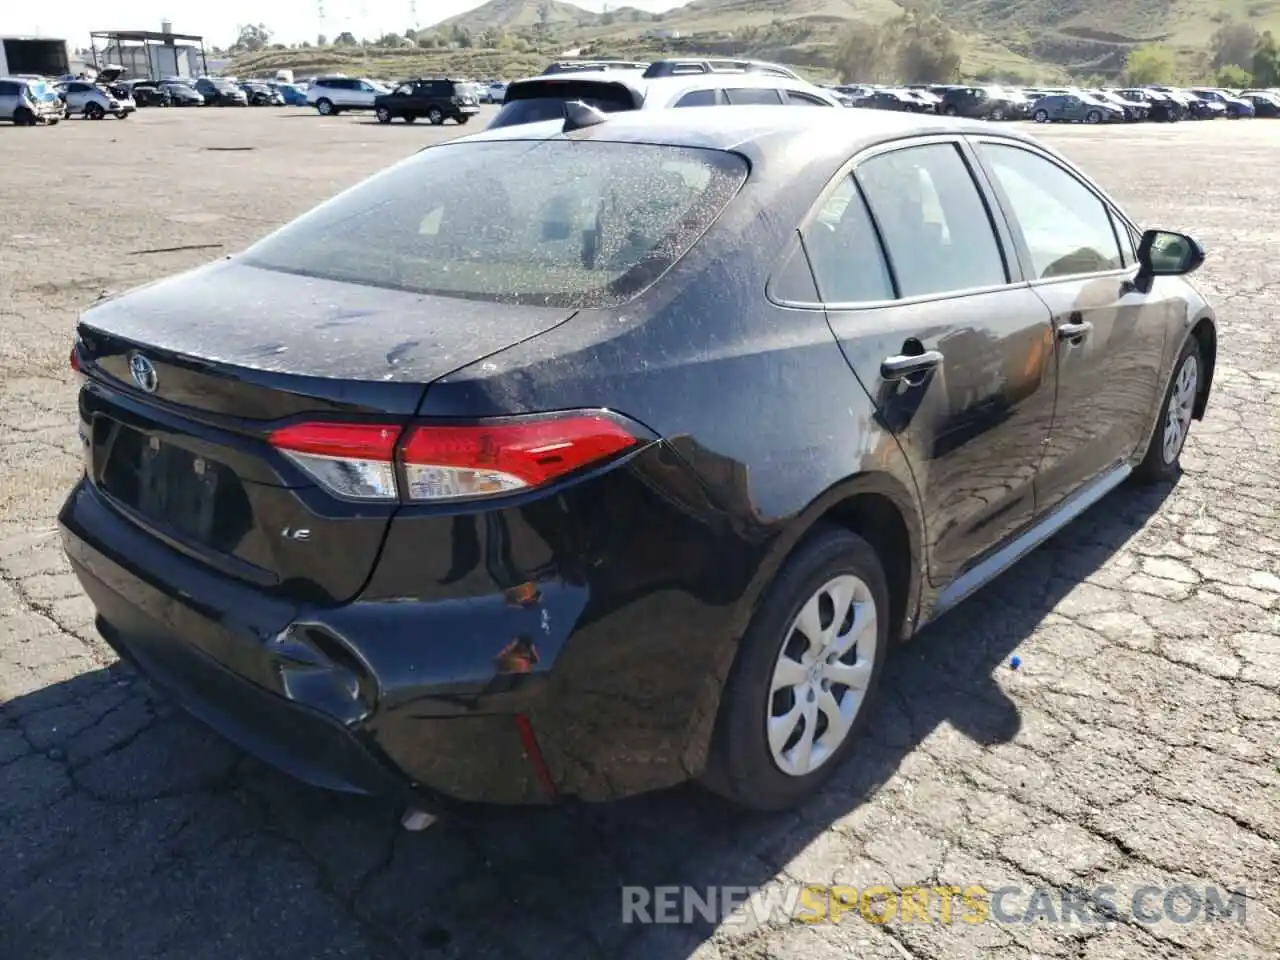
(805, 99)
(935, 225)
(697, 98)
(746, 96)
(8, 89)
(562, 223)
(541, 100)
(845, 252)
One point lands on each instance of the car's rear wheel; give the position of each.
(436, 116)
(461, 119)
(383, 114)
(997, 114)
(1164, 452)
(1041, 116)
(22, 117)
(805, 674)
(1093, 116)
(324, 107)
(94, 111)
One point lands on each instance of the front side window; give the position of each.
(1064, 225)
(559, 223)
(844, 250)
(935, 225)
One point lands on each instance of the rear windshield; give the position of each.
(560, 223)
(537, 101)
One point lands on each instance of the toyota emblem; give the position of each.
(143, 373)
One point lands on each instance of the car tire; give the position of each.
(1093, 116)
(122, 115)
(383, 115)
(743, 765)
(324, 107)
(950, 111)
(997, 115)
(461, 119)
(1173, 419)
(1041, 116)
(94, 111)
(22, 117)
(409, 118)
(436, 116)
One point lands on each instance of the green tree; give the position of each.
(865, 55)
(916, 48)
(1266, 62)
(1234, 78)
(346, 39)
(322, 41)
(251, 37)
(1149, 63)
(1233, 44)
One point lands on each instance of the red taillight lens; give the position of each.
(454, 462)
(76, 366)
(352, 460)
(450, 462)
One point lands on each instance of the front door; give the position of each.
(910, 264)
(1109, 337)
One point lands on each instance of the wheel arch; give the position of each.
(1205, 332)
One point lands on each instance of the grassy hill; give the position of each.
(1033, 39)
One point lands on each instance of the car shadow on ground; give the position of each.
(169, 841)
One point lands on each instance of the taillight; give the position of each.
(352, 460)
(76, 365)
(444, 462)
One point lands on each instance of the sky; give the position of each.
(291, 21)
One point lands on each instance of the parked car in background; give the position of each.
(262, 94)
(591, 66)
(149, 93)
(496, 92)
(1235, 108)
(292, 94)
(25, 102)
(221, 92)
(544, 97)
(94, 102)
(332, 95)
(1160, 106)
(182, 94)
(1135, 111)
(510, 536)
(1264, 104)
(1075, 108)
(435, 99)
(980, 103)
(902, 101)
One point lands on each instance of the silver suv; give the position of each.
(332, 95)
(663, 84)
(27, 102)
(94, 101)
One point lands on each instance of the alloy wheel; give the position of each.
(1182, 401)
(822, 675)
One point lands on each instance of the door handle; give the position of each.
(908, 365)
(1074, 332)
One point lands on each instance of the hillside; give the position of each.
(1036, 40)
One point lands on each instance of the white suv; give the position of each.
(94, 102)
(332, 95)
(664, 84)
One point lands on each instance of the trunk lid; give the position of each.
(185, 378)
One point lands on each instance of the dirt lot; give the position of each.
(1137, 745)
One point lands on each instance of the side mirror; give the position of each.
(1163, 253)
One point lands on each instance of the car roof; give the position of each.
(785, 141)
(669, 87)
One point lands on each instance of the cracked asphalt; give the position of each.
(1137, 744)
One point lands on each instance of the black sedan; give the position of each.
(578, 458)
(150, 93)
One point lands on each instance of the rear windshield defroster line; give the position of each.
(556, 223)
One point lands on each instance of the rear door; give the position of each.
(1108, 336)
(925, 297)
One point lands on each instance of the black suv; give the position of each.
(980, 103)
(436, 99)
(218, 92)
